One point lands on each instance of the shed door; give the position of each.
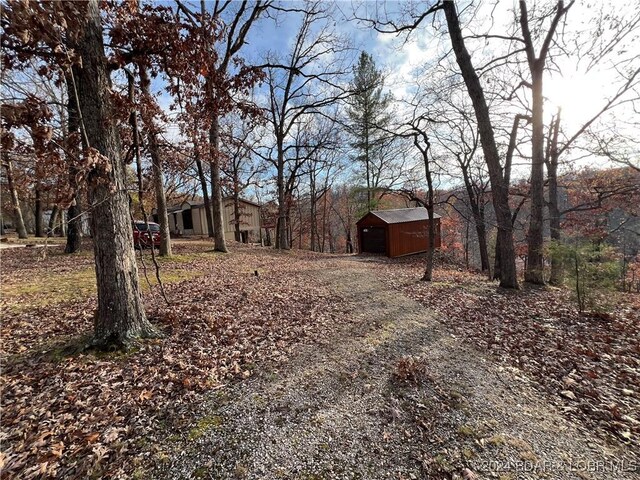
(374, 240)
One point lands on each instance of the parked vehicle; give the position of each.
(143, 238)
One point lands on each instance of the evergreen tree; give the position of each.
(369, 116)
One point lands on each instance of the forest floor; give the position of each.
(319, 367)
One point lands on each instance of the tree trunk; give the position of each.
(478, 217)
(282, 242)
(500, 188)
(120, 316)
(431, 243)
(205, 194)
(349, 246)
(74, 213)
(39, 223)
(481, 231)
(313, 211)
(53, 220)
(156, 167)
(219, 244)
(535, 240)
(556, 277)
(236, 206)
(15, 200)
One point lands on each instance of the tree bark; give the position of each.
(120, 316)
(15, 200)
(556, 277)
(157, 169)
(219, 243)
(236, 206)
(39, 225)
(500, 188)
(535, 239)
(53, 220)
(282, 241)
(205, 194)
(74, 213)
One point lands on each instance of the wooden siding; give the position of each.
(404, 238)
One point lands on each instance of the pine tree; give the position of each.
(369, 116)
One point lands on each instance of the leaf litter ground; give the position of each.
(93, 415)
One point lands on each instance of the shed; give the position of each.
(402, 231)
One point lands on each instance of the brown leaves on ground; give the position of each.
(590, 365)
(99, 415)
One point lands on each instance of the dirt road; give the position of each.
(388, 394)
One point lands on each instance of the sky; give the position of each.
(569, 84)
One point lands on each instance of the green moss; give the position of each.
(45, 289)
(203, 425)
(468, 454)
(466, 430)
(200, 472)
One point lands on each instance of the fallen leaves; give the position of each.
(589, 365)
(91, 414)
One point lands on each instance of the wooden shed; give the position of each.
(403, 231)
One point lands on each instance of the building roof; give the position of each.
(402, 215)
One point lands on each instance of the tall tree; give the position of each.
(208, 65)
(369, 118)
(537, 65)
(499, 187)
(303, 83)
(120, 316)
(499, 184)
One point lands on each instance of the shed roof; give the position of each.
(403, 215)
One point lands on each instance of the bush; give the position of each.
(591, 269)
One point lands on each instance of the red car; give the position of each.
(141, 235)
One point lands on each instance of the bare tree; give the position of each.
(537, 65)
(301, 84)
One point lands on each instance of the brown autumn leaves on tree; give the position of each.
(46, 32)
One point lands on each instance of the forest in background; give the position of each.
(320, 134)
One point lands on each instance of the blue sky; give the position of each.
(580, 93)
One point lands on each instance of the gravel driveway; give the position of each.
(388, 394)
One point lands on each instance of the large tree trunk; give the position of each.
(15, 200)
(120, 316)
(500, 188)
(39, 222)
(156, 167)
(535, 239)
(74, 213)
(219, 243)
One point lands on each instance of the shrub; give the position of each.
(592, 269)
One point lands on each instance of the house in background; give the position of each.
(402, 231)
(189, 218)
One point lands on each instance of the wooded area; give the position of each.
(513, 125)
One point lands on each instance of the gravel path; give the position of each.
(352, 406)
